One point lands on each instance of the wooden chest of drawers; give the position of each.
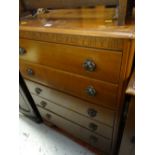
(76, 71)
(73, 59)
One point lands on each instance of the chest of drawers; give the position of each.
(76, 71)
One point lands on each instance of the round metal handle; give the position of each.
(48, 116)
(93, 126)
(22, 51)
(89, 65)
(30, 72)
(38, 90)
(93, 139)
(43, 104)
(92, 112)
(90, 91)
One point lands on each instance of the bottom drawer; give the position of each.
(77, 131)
(74, 117)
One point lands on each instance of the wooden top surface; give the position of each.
(99, 21)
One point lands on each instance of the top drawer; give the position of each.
(98, 64)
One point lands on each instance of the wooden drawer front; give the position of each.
(94, 112)
(77, 131)
(78, 39)
(104, 93)
(77, 118)
(105, 64)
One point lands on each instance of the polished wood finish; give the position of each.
(71, 59)
(83, 13)
(73, 84)
(77, 118)
(78, 39)
(95, 33)
(65, 31)
(68, 31)
(103, 115)
(124, 6)
(82, 133)
(126, 69)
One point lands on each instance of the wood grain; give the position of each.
(82, 13)
(103, 115)
(79, 39)
(102, 129)
(84, 31)
(81, 133)
(126, 69)
(73, 84)
(71, 59)
(88, 24)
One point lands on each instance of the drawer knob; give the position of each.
(48, 116)
(90, 91)
(30, 72)
(22, 51)
(43, 104)
(89, 65)
(93, 126)
(93, 139)
(38, 91)
(92, 112)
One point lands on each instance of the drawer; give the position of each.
(94, 63)
(77, 131)
(75, 117)
(95, 91)
(94, 112)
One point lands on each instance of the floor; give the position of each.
(38, 139)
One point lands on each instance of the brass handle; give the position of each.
(22, 51)
(38, 91)
(92, 112)
(48, 116)
(43, 104)
(89, 65)
(93, 139)
(93, 126)
(30, 72)
(90, 91)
